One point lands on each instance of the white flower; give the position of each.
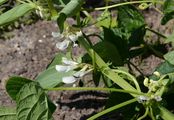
(63, 45)
(158, 98)
(69, 65)
(57, 35)
(79, 74)
(68, 62)
(68, 39)
(61, 68)
(79, 34)
(143, 99)
(73, 37)
(64, 68)
(69, 79)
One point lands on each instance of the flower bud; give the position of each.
(157, 73)
(146, 82)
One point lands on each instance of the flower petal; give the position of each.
(79, 34)
(56, 34)
(68, 62)
(73, 37)
(79, 74)
(63, 45)
(61, 68)
(69, 79)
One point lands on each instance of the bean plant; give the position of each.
(122, 36)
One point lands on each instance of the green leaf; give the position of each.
(168, 9)
(137, 36)
(165, 114)
(105, 20)
(69, 10)
(15, 13)
(60, 21)
(8, 113)
(104, 50)
(170, 57)
(131, 24)
(51, 77)
(2, 1)
(165, 68)
(72, 7)
(32, 103)
(115, 36)
(130, 18)
(14, 84)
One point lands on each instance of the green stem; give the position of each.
(166, 114)
(145, 114)
(155, 52)
(131, 77)
(151, 113)
(52, 9)
(105, 69)
(127, 3)
(96, 89)
(156, 32)
(112, 108)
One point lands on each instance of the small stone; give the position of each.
(40, 41)
(65, 108)
(44, 36)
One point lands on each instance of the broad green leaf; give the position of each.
(60, 21)
(14, 84)
(15, 13)
(105, 20)
(165, 68)
(168, 11)
(165, 114)
(170, 57)
(115, 36)
(131, 24)
(69, 10)
(72, 7)
(137, 36)
(104, 50)
(130, 18)
(2, 1)
(32, 103)
(51, 77)
(8, 113)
